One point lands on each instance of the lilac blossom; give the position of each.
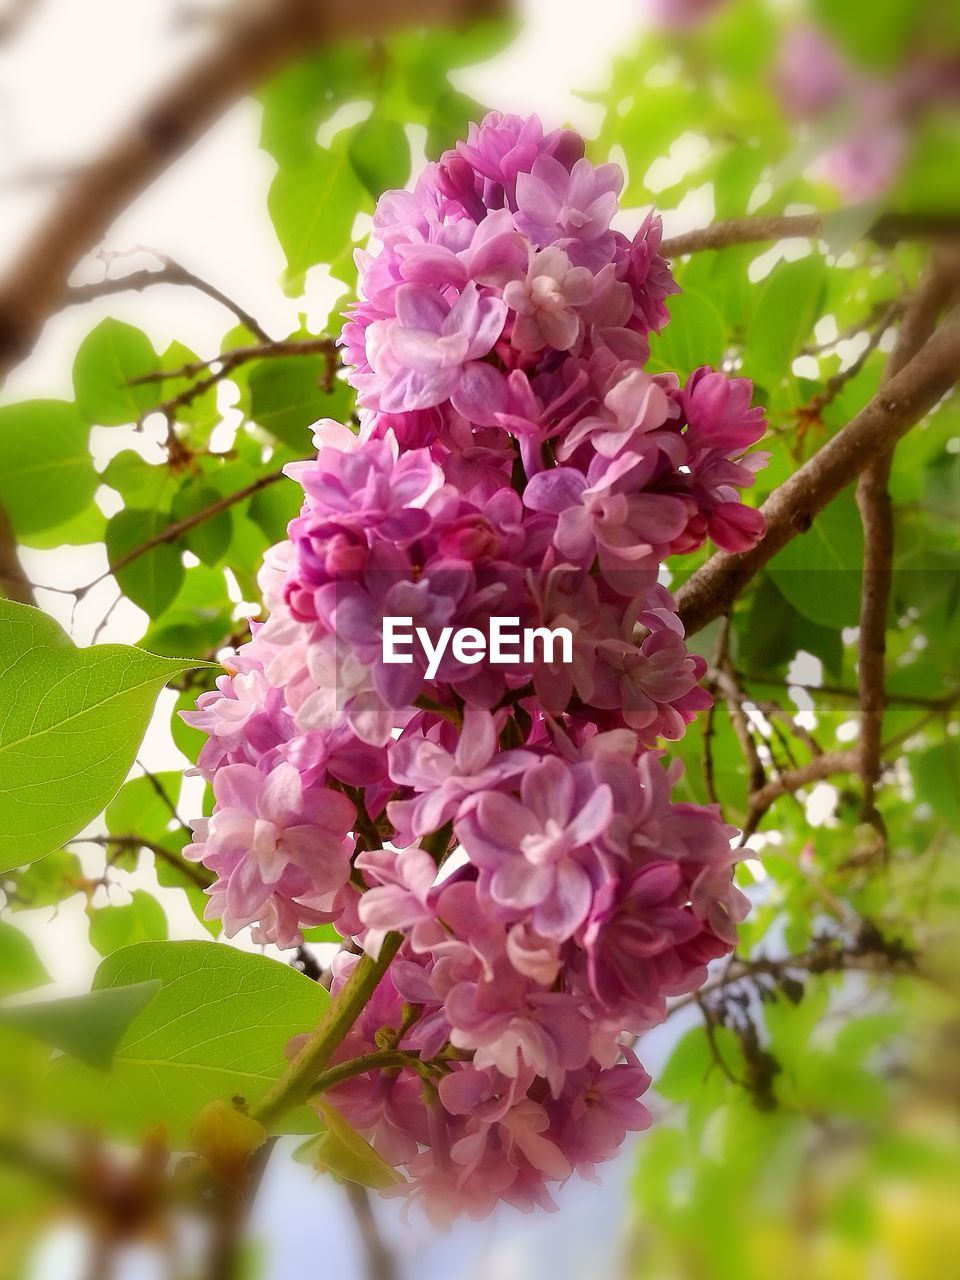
(513, 822)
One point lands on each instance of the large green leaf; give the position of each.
(209, 539)
(218, 1028)
(70, 725)
(104, 372)
(313, 208)
(46, 475)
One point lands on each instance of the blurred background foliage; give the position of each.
(807, 1111)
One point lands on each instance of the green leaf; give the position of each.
(71, 725)
(138, 809)
(88, 1028)
(346, 1154)
(141, 920)
(696, 335)
(288, 395)
(819, 571)
(46, 883)
(139, 483)
(209, 539)
(20, 969)
(937, 775)
(109, 359)
(772, 632)
(88, 525)
(218, 1028)
(153, 579)
(46, 475)
(380, 154)
(687, 1068)
(876, 41)
(200, 618)
(783, 321)
(313, 208)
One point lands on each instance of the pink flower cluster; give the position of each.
(866, 118)
(859, 121)
(512, 822)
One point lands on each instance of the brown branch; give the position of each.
(818, 769)
(180, 527)
(254, 40)
(169, 273)
(734, 697)
(876, 514)
(230, 360)
(790, 510)
(14, 583)
(941, 703)
(888, 229)
(195, 872)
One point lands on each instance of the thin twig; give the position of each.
(226, 363)
(887, 229)
(876, 514)
(170, 272)
(176, 530)
(193, 871)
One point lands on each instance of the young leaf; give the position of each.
(141, 920)
(784, 319)
(20, 969)
(346, 1154)
(380, 154)
(218, 1028)
(89, 1027)
(313, 208)
(153, 579)
(819, 572)
(46, 475)
(72, 723)
(287, 396)
(104, 372)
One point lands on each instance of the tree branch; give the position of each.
(254, 40)
(876, 514)
(297, 1082)
(230, 360)
(200, 876)
(898, 406)
(14, 583)
(180, 527)
(888, 229)
(816, 770)
(169, 273)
